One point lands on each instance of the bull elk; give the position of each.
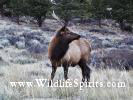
(69, 49)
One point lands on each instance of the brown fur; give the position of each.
(78, 49)
(76, 52)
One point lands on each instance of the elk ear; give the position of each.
(63, 28)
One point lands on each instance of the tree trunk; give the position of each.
(39, 21)
(2, 11)
(81, 20)
(18, 20)
(66, 22)
(121, 25)
(99, 23)
(125, 27)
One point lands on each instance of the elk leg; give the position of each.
(83, 75)
(53, 73)
(65, 72)
(88, 73)
(85, 70)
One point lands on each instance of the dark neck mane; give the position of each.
(59, 50)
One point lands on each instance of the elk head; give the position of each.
(66, 35)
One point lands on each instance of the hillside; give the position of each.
(23, 57)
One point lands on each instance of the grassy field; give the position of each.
(18, 65)
(28, 72)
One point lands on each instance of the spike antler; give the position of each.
(53, 2)
(56, 17)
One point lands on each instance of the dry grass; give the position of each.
(29, 72)
(21, 66)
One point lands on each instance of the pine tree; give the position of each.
(98, 10)
(38, 9)
(68, 9)
(2, 4)
(122, 10)
(17, 7)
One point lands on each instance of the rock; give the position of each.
(113, 58)
(20, 45)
